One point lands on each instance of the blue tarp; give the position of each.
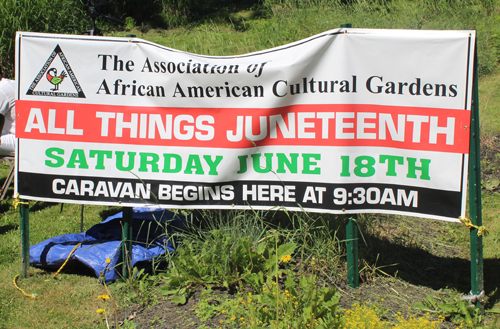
(103, 241)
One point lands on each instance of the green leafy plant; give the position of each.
(300, 303)
(220, 261)
(129, 324)
(139, 287)
(130, 23)
(459, 310)
(279, 299)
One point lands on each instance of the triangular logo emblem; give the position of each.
(54, 77)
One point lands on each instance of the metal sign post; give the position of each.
(352, 252)
(25, 237)
(127, 225)
(476, 240)
(352, 239)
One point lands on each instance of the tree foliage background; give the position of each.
(71, 16)
(50, 16)
(286, 20)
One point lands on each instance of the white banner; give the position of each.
(346, 121)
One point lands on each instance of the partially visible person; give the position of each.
(7, 115)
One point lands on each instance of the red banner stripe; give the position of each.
(442, 130)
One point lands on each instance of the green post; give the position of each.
(352, 252)
(127, 225)
(24, 211)
(81, 220)
(476, 242)
(352, 239)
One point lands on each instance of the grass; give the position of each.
(489, 104)
(239, 34)
(491, 213)
(395, 251)
(68, 302)
(64, 302)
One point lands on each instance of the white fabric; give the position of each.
(8, 144)
(7, 104)
(8, 110)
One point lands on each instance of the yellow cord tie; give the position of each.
(67, 259)
(32, 296)
(17, 202)
(481, 230)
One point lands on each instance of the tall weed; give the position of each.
(293, 20)
(243, 247)
(286, 20)
(49, 16)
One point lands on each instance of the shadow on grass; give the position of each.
(38, 206)
(109, 212)
(7, 228)
(420, 267)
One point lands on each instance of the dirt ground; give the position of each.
(389, 293)
(167, 315)
(406, 273)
